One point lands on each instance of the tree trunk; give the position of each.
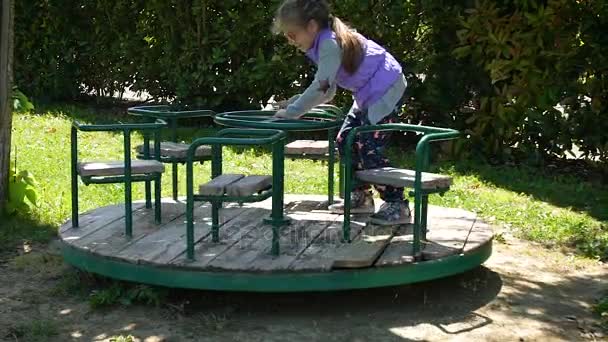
(6, 106)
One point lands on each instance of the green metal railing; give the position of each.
(171, 115)
(431, 134)
(314, 120)
(321, 118)
(237, 137)
(127, 178)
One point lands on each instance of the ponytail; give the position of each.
(352, 47)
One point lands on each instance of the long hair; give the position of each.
(301, 12)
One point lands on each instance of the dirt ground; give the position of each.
(522, 293)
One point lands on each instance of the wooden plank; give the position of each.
(433, 250)
(398, 252)
(230, 233)
(365, 249)
(248, 186)
(217, 186)
(308, 147)
(111, 239)
(167, 243)
(93, 220)
(481, 234)
(305, 228)
(117, 168)
(320, 254)
(176, 150)
(448, 231)
(403, 178)
(257, 241)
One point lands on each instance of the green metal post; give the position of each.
(216, 161)
(423, 219)
(128, 205)
(147, 183)
(157, 181)
(173, 123)
(341, 177)
(189, 208)
(215, 221)
(424, 197)
(278, 162)
(330, 167)
(348, 182)
(74, 165)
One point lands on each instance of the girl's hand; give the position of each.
(281, 113)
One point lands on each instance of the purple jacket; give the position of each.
(377, 73)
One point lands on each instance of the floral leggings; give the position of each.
(368, 150)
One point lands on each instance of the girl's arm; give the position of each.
(323, 88)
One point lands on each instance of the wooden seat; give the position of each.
(117, 168)
(248, 186)
(308, 147)
(235, 185)
(403, 178)
(175, 150)
(217, 186)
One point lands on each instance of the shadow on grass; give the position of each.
(577, 185)
(19, 230)
(551, 186)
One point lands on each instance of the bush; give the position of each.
(492, 69)
(537, 55)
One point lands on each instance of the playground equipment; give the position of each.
(204, 244)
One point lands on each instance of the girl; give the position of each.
(347, 59)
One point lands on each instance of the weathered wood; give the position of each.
(230, 233)
(308, 147)
(433, 250)
(365, 249)
(94, 220)
(111, 239)
(6, 80)
(448, 231)
(403, 178)
(217, 186)
(311, 244)
(117, 168)
(255, 243)
(248, 186)
(398, 252)
(480, 234)
(169, 242)
(320, 255)
(294, 240)
(175, 150)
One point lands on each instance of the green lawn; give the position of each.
(556, 211)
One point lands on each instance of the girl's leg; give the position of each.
(372, 156)
(395, 210)
(361, 197)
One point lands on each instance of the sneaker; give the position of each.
(362, 202)
(392, 213)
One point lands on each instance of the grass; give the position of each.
(601, 309)
(36, 330)
(550, 209)
(556, 210)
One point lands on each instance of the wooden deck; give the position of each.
(310, 244)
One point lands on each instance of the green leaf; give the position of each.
(16, 192)
(28, 178)
(32, 196)
(462, 51)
